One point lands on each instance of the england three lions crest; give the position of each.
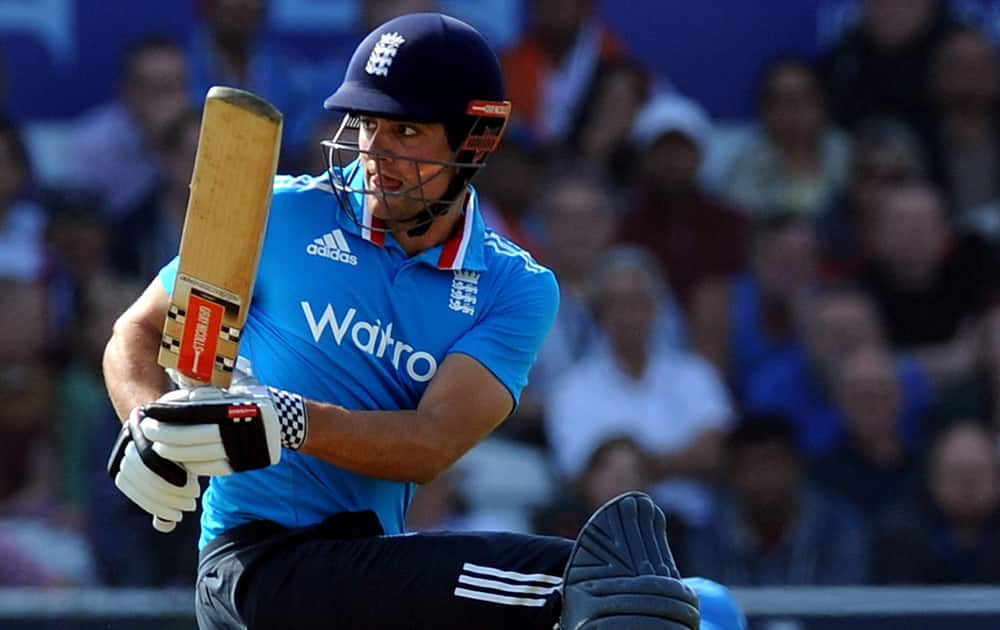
(383, 54)
(464, 287)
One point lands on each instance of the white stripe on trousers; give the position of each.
(503, 586)
(544, 585)
(512, 575)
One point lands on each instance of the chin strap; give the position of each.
(431, 212)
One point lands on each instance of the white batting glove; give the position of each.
(160, 487)
(214, 432)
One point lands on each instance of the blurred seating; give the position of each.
(952, 535)
(771, 527)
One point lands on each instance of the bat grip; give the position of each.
(162, 525)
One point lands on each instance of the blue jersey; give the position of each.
(341, 314)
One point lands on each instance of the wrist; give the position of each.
(293, 418)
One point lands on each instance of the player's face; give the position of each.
(393, 154)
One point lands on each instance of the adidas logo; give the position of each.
(334, 246)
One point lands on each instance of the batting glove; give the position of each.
(159, 486)
(215, 432)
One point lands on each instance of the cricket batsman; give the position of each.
(390, 331)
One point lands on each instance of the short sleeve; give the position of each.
(168, 274)
(506, 341)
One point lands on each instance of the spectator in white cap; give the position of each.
(671, 113)
(694, 235)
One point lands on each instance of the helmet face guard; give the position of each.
(345, 158)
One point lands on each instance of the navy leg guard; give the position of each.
(621, 574)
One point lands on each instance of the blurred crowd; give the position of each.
(786, 329)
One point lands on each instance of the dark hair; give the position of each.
(779, 64)
(763, 428)
(142, 46)
(602, 73)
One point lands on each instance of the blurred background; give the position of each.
(776, 230)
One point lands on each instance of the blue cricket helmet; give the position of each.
(424, 68)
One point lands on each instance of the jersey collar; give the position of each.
(462, 250)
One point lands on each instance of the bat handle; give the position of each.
(162, 525)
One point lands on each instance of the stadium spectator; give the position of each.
(833, 323)
(578, 216)
(228, 47)
(884, 153)
(964, 131)
(32, 519)
(670, 401)
(23, 258)
(27, 440)
(81, 408)
(694, 235)
(22, 221)
(953, 535)
(771, 526)
(601, 129)
(114, 144)
(881, 66)
(549, 69)
(147, 239)
(797, 161)
(741, 322)
(872, 465)
(78, 239)
(616, 465)
(928, 285)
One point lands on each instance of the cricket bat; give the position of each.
(223, 234)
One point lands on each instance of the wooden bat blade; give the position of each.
(223, 234)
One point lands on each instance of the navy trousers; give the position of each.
(343, 574)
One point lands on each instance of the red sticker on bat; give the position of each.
(201, 336)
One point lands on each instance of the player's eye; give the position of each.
(368, 124)
(408, 131)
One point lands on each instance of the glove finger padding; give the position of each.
(621, 574)
(238, 428)
(131, 433)
(131, 490)
(179, 496)
(157, 485)
(196, 453)
(179, 434)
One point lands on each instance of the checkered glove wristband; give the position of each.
(292, 417)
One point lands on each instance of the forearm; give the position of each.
(131, 373)
(396, 445)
